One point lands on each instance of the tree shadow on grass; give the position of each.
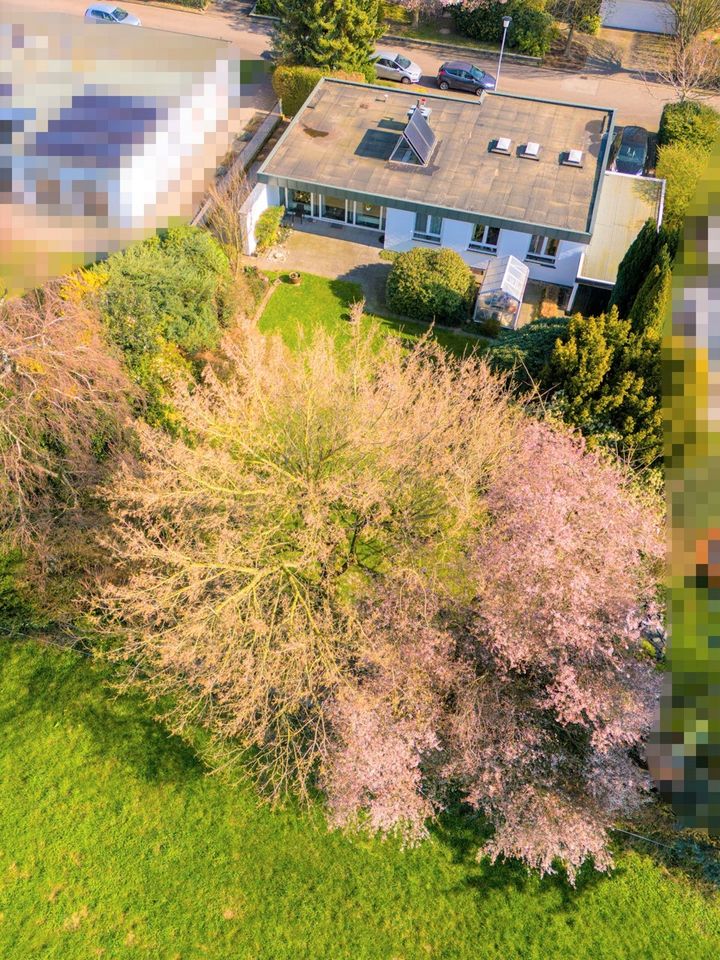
(465, 832)
(79, 693)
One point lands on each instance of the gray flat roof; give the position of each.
(342, 139)
(625, 204)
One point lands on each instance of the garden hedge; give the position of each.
(531, 31)
(293, 84)
(431, 284)
(267, 229)
(695, 124)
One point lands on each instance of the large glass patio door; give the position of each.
(333, 208)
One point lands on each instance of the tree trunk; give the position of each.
(571, 34)
(416, 17)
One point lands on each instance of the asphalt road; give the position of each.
(634, 99)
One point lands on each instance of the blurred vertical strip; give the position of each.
(684, 754)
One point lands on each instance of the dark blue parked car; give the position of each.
(461, 75)
(631, 150)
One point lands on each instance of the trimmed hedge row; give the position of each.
(687, 133)
(293, 85)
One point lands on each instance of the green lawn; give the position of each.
(113, 843)
(294, 311)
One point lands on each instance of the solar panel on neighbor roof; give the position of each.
(418, 134)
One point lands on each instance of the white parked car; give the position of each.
(394, 66)
(110, 13)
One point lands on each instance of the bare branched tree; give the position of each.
(63, 400)
(309, 477)
(224, 217)
(690, 18)
(693, 68)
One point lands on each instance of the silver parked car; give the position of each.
(110, 13)
(394, 66)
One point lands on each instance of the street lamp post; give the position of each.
(506, 23)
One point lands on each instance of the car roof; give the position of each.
(459, 64)
(105, 7)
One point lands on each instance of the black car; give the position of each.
(461, 75)
(631, 150)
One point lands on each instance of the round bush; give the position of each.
(695, 124)
(430, 285)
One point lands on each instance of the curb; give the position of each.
(172, 6)
(485, 51)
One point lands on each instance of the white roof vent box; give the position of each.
(422, 106)
(531, 150)
(501, 145)
(573, 158)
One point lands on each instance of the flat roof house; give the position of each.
(490, 177)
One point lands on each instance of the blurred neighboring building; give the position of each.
(107, 134)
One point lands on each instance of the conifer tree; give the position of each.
(331, 34)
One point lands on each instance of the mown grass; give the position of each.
(295, 311)
(114, 843)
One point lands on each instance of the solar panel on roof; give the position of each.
(418, 134)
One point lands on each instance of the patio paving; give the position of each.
(339, 252)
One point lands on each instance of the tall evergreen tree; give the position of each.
(331, 34)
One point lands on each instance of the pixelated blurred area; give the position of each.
(684, 753)
(106, 135)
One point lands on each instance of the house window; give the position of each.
(543, 249)
(427, 227)
(484, 238)
(333, 208)
(369, 215)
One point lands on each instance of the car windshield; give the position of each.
(477, 74)
(631, 151)
(403, 62)
(119, 14)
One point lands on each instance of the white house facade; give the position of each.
(497, 176)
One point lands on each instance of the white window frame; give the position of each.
(542, 256)
(363, 226)
(425, 234)
(483, 245)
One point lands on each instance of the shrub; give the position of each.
(526, 352)
(268, 8)
(681, 166)
(530, 33)
(267, 229)
(590, 24)
(490, 326)
(171, 291)
(430, 285)
(695, 124)
(294, 84)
